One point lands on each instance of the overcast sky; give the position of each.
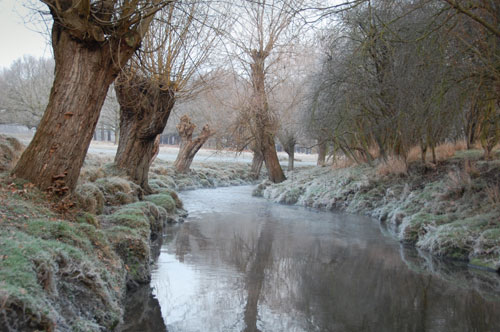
(18, 36)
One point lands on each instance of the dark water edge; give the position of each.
(142, 312)
(142, 309)
(244, 264)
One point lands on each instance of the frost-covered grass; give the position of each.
(68, 270)
(46, 262)
(450, 210)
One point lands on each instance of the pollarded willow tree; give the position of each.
(189, 146)
(168, 67)
(260, 38)
(92, 41)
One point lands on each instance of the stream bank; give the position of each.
(451, 210)
(68, 266)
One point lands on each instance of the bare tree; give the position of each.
(92, 41)
(260, 39)
(24, 90)
(109, 119)
(288, 97)
(179, 41)
(189, 147)
(387, 86)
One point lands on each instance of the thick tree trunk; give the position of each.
(273, 166)
(257, 161)
(144, 112)
(265, 125)
(189, 147)
(322, 151)
(82, 78)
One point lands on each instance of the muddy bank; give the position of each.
(452, 210)
(68, 268)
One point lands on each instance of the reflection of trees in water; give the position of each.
(183, 238)
(359, 293)
(142, 312)
(484, 282)
(261, 261)
(323, 283)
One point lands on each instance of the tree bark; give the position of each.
(265, 125)
(322, 150)
(83, 74)
(189, 147)
(257, 161)
(144, 111)
(289, 147)
(291, 156)
(423, 151)
(273, 166)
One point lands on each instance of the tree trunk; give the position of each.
(265, 124)
(144, 112)
(434, 158)
(189, 147)
(273, 166)
(423, 148)
(322, 150)
(291, 156)
(156, 149)
(257, 161)
(82, 78)
(289, 148)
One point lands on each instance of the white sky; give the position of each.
(19, 35)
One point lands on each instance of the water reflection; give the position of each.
(142, 312)
(242, 264)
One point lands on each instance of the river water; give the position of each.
(240, 263)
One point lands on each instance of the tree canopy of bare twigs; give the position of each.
(168, 66)
(258, 41)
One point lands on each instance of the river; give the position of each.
(240, 263)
